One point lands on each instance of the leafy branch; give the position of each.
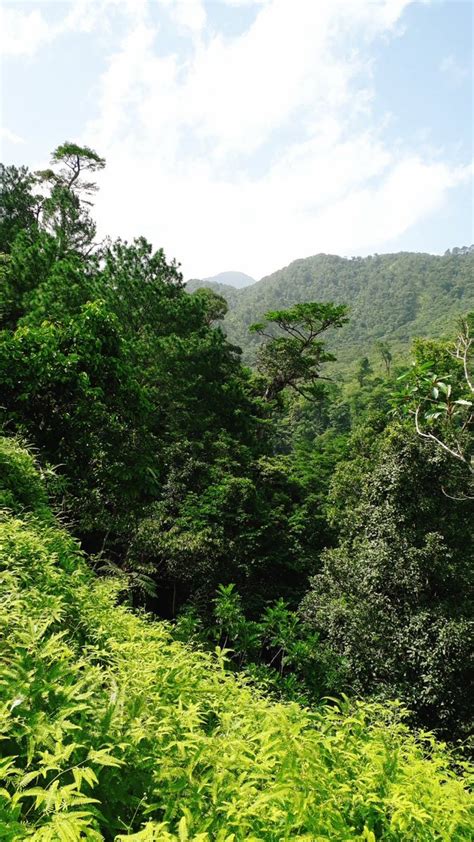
(442, 404)
(292, 355)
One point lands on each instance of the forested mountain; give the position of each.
(293, 539)
(391, 297)
(228, 292)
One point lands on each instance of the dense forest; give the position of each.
(236, 598)
(392, 298)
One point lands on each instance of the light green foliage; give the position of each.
(21, 488)
(109, 728)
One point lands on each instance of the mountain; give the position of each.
(391, 297)
(228, 292)
(233, 279)
(238, 280)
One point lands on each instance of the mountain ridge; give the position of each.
(237, 280)
(391, 297)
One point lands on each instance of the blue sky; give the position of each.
(243, 134)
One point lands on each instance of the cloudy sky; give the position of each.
(243, 134)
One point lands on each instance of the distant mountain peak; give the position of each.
(233, 279)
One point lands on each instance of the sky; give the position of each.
(244, 134)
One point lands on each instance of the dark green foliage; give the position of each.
(278, 651)
(63, 211)
(124, 369)
(38, 230)
(292, 355)
(121, 380)
(18, 204)
(215, 305)
(394, 600)
(364, 371)
(31, 262)
(228, 521)
(71, 390)
(384, 350)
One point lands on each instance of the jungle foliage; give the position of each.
(312, 530)
(110, 729)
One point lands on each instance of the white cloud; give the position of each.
(368, 218)
(248, 152)
(21, 33)
(454, 70)
(190, 14)
(259, 226)
(244, 2)
(10, 137)
(25, 32)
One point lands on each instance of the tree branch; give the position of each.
(456, 453)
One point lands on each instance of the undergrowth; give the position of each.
(111, 729)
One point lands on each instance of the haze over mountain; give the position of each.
(391, 297)
(233, 279)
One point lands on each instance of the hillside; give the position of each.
(111, 728)
(230, 293)
(391, 297)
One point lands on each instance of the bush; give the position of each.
(21, 485)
